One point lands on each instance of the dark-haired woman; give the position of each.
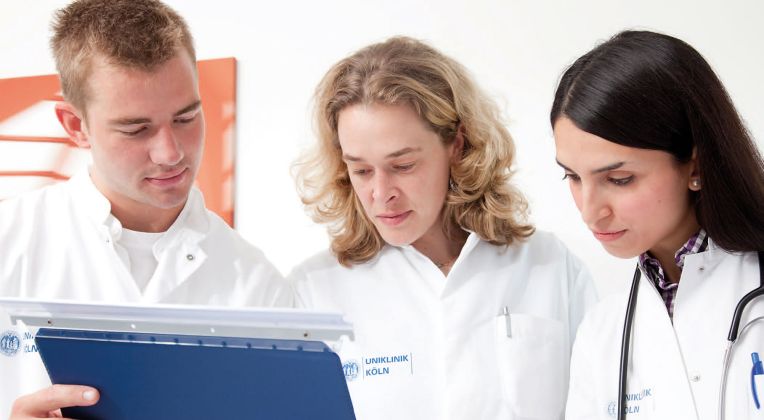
(662, 168)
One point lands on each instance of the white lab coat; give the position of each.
(59, 243)
(674, 371)
(435, 347)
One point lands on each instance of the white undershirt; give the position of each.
(141, 261)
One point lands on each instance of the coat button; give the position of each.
(190, 257)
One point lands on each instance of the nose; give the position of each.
(593, 205)
(382, 188)
(165, 148)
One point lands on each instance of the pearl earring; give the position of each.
(695, 184)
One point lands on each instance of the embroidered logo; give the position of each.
(10, 343)
(612, 409)
(634, 403)
(351, 369)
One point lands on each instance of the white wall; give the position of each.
(516, 49)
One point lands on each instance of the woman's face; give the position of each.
(633, 200)
(399, 169)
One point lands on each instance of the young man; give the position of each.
(132, 228)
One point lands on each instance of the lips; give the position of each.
(393, 219)
(168, 179)
(608, 236)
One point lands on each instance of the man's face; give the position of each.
(146, 133)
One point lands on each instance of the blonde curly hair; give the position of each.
(405, 71)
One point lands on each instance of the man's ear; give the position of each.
(74, 124)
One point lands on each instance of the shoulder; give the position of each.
(321, 275)
(255, 279)
(544, 244)
(224, 242)
(604, 319)
(33, 205)
(544, 261)
(540, 245)
(320, 264)
(320, 281)
(541, 249)
(35, 197)
(324, 266)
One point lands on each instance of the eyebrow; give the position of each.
(395, 154)
(598, 170)
(131, 121)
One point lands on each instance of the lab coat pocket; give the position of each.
(532, 365)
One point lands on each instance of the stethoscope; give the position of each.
(731, 339)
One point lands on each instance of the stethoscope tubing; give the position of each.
(626, 343)
(731, 337)
(728, 356)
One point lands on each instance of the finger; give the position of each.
(42, 402)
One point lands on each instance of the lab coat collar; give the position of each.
(178, 251)
(191, 225)
(91, 202)
(440, 284)
(708, 260)
(472, 240)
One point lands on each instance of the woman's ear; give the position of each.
(694, 182)
(73, 123)
(457, 146)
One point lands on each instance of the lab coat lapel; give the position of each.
(95, 209)
(176, 265)
(702, 311)
(116, 268)
(457, 277)
(179, 251)
(662, 384)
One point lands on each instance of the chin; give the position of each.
(166, 203)
(622, 253)
(396, 241)
(393, 239)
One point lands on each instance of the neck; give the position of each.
(135, 215)
(440, 249)
(665, 251)
(146, 219)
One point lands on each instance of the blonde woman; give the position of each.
(461, 309)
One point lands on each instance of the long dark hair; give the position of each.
(652, 91)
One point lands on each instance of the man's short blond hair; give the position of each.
(141, 34)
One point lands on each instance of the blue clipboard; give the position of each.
(162, 376)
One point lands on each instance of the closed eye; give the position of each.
(570, 176)
(186, 120)
(133, 133)
(404, 167)
(621, 181)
